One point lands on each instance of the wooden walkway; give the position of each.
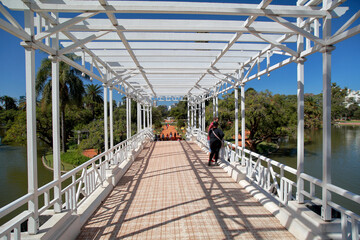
(170, 193)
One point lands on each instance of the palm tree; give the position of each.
(71, 89)
(93, 96)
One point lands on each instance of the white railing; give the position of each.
(80, 183)
(280, 181)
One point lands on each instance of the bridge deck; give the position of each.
(170, 193)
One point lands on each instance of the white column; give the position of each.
(111, 118)
(144, 117)
(214, 107)
(200, 116)
(195, 115)
(326, 179)
(236, 118)
(192, 116)
(106, 131)
(217, 106)
(188, 114)
(33, 223)
(300, 119)
(56, 131)
(148, 116)
(128, 118)
(243, 134)
(151, 117)
(203, 114)
(56, 124)
(138, 107)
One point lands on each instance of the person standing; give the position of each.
(216, 137)
(216, 119)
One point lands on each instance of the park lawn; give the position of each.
(69, 160)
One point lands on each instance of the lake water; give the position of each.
(345, 163)
(13, 173)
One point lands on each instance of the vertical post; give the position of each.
(192, 115)
(144, 119)
(188, 114)
(236, 119)
(111, 118)
(33, 223)
(326, 50)
(106, 142)
(200, 115)
(56, 126)
(203, 114)
(300, 118)
(214, 106)
(138, 114)
(217, 106)
(243, 135)
(195, 117)
(150, 117)
(127, 119)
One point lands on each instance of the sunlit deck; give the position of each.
(170, 193)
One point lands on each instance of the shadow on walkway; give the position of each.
(163, 197)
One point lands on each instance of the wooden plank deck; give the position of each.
(170, 193)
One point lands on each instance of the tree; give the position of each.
(264, 117)
(9, 102)
(71, 89)
(337, 101)
(93, 97)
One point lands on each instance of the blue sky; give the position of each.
(345, 63)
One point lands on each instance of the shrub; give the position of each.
(73, 157)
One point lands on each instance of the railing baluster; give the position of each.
(344, 223)
(354, 228)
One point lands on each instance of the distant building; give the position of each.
(352, 96)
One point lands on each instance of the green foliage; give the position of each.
(357, 114)
(73, 157)
(16, 134)
(179, 111)
(180, 123)
(8, 102)
(338, 95)
(96, 136)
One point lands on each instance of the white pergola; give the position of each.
(145, 50)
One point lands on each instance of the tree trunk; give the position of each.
(63, 137)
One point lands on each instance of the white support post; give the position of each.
(138, 107)
(217, 106)
(300, 118)
(214, 107)
(192, 116)
(111, 118)
(56, 126)
(129, 117)
(200, 116)
(150, 117)
(188, 114)
(33, 205)
(128, 126)
(326, 179)
(243, 134)
(203, 114)
(236, 119)
(195, 117)
(144, 117)
(106, 131)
